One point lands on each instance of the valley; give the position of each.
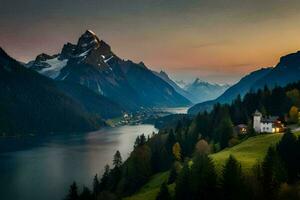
(149, 100)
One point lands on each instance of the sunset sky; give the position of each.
(216, 40)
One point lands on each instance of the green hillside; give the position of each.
(150, 189)
(248, 153)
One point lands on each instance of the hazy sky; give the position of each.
(216, 40)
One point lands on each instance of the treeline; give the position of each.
(206, 133)
(217, 126)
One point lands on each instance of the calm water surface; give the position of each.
(35, 168)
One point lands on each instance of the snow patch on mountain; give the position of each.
(84, 53)
(55, 66)
(108, 59)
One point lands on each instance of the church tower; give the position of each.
(256, 121)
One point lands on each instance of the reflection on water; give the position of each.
(43, 167)
(177, 110)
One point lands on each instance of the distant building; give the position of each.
(266, 124)
(125, 116)
(241, 129)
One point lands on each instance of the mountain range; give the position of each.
(77, 89)
(163, 75)
(197, 91)
(285, 72)
(201, 91)
(92, 63)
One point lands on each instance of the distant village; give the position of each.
(141, 116)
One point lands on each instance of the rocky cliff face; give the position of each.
(92, 63)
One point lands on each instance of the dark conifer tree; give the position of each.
(272, 174)
(172, 175)
(105, 178)
(182, 188)
(116, 172)
(117, 161)
(288, 151)
(86, 194)
(203, 178)
(96, 185)
(232, 181)
(140, 140)
(73, 192)
(171, 140)
(226, 131)
(163, 193)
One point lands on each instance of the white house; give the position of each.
(266, 124)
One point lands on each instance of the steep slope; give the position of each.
(163, 75)
(31, 103)
(91, 101)
(92, 63)
(286, 71)
(240, 88)
(243, 86)
(203, 91)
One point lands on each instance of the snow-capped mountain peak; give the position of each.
(91, 63)
(87, 41)
(89, 49)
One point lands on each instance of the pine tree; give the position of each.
(171, 140)
(203, 178)
(182, 183)
(163, 193)
(116, 173)
(226, 131)
(96, 185)
(232, 180)
(272, 174)
(105, 178)
(117, 161)
(73, 192)
(86, 194)
(174, 172)
(288, 151)
(140, 140)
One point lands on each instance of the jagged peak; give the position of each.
(87, 41)
(198, 81)
(90, 32)
(43, 57)
(68, 49)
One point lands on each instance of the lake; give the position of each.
(35, 168)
